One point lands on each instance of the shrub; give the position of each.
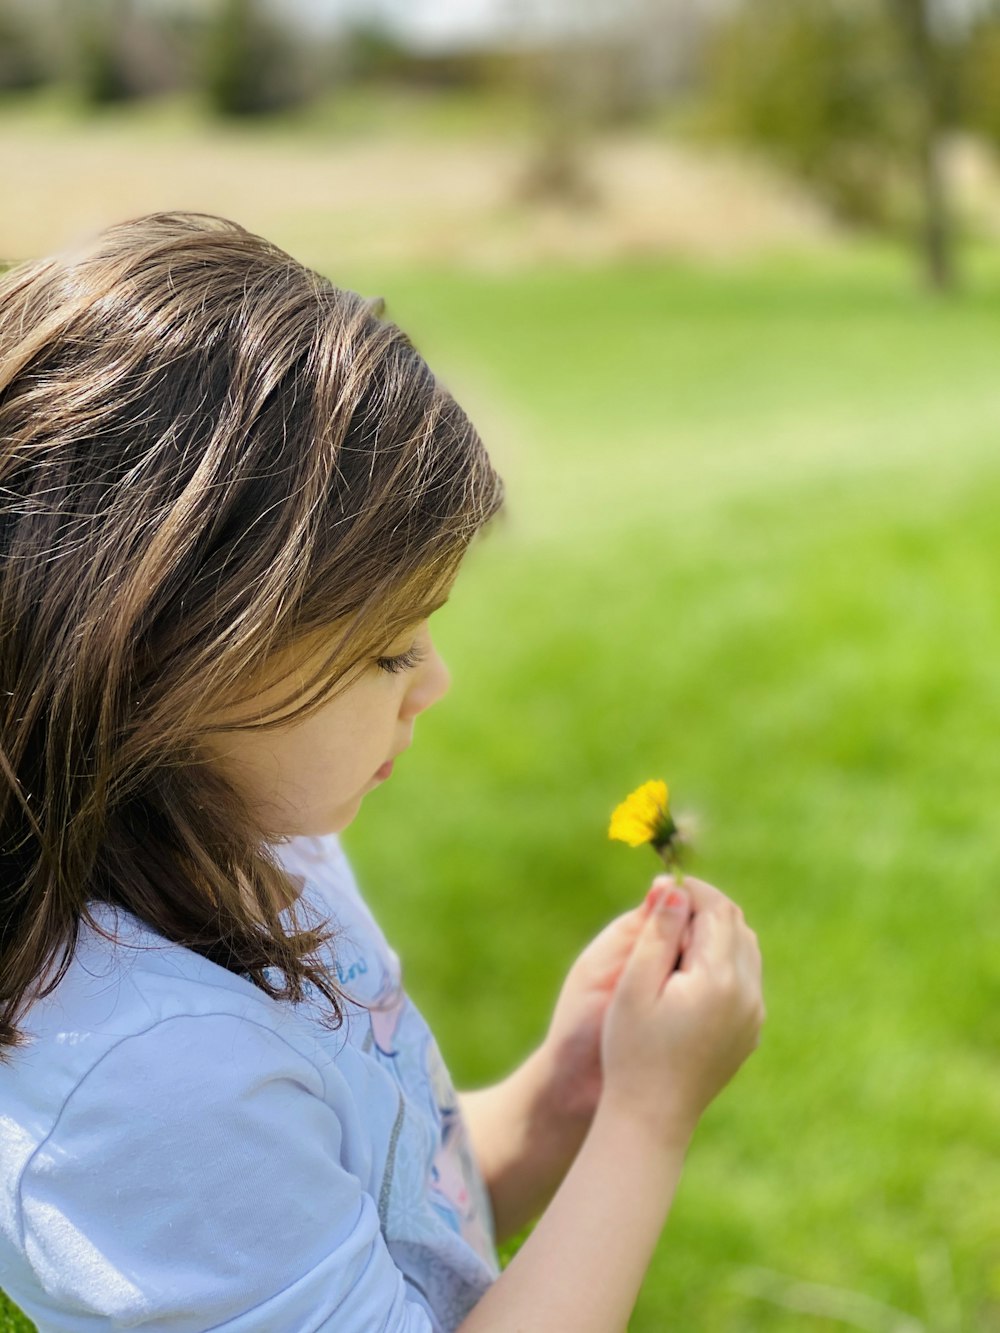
(251, 62)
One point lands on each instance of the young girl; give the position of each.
(231, 498)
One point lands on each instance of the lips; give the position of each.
(386, 768)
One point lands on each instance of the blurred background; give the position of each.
(719, 283)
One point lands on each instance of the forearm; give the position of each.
(524, 1144)
(583, 1264)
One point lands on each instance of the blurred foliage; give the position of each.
(979, 79)
(751, 546)
(372, 53)
(11, 1318)
(824, 85)
(577, 90)
(252, 62)
(102, 66)
(857, 99)
(22, 60)
(751, 542)
(112, 51)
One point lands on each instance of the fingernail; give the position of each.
(674, 901)
(655, 896)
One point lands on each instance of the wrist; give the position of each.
(523, 1139)
(664, 1128)
(561, 1107)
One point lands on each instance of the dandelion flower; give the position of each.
(644, 816)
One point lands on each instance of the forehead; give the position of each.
(400, 616)
(315, 648)
(409, 609)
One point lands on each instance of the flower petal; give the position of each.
(643, 814)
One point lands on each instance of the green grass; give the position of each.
(11, 1319)
(752, 546)
(395, 111)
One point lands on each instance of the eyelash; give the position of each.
(402, 662)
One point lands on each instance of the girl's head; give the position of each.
(231, 494)
(310, 774)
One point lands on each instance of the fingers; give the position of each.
(600, 963)
(705, 896)
(657, 947)
(754, 962)
(687, 936)
(716, 933)
(720, 937)
(625, 925)
(712, 935)
(661, 884)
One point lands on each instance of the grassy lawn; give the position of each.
(752, 547)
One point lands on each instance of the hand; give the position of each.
(673, 1039)
(572, 1046)
(571, 1051)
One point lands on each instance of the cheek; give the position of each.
(343, 749)
(250, 761)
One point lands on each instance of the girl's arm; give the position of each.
(527, 1129)
(583, 1264)
(524, 1138)
(670, 1042)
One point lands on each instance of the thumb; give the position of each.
(657, 947)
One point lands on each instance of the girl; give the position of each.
(232, 498)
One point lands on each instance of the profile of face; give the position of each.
(310, 776)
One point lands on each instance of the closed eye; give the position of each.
(402, 661)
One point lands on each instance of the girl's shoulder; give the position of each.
(360, 958)
(131, 988)
(128, 986)
(321, 864)
(161, 1102)
(124, 994)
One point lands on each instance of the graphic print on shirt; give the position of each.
(402, 1042)
(433, 1208)
(457, 1189)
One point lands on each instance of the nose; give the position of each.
(432, 683)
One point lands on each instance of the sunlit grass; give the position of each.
(393, 110)
(752, 548)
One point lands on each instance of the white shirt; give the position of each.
(180, 1151)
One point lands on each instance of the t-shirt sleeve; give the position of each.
(194, 1180)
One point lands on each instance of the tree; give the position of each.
(928, 76)
(101, 67)
(977, 81)
(21, 63)
(600, 66)
(252, 64)
(854, 96)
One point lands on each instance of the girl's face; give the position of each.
(310, 776)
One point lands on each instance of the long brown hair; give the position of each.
(208, 454)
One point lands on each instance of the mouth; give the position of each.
(382, 773)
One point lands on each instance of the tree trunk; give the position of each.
(937, 240)
(937, 232)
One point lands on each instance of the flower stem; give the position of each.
(669, 856)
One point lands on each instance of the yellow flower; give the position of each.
(644, 815)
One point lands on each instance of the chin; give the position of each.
(335, 822)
